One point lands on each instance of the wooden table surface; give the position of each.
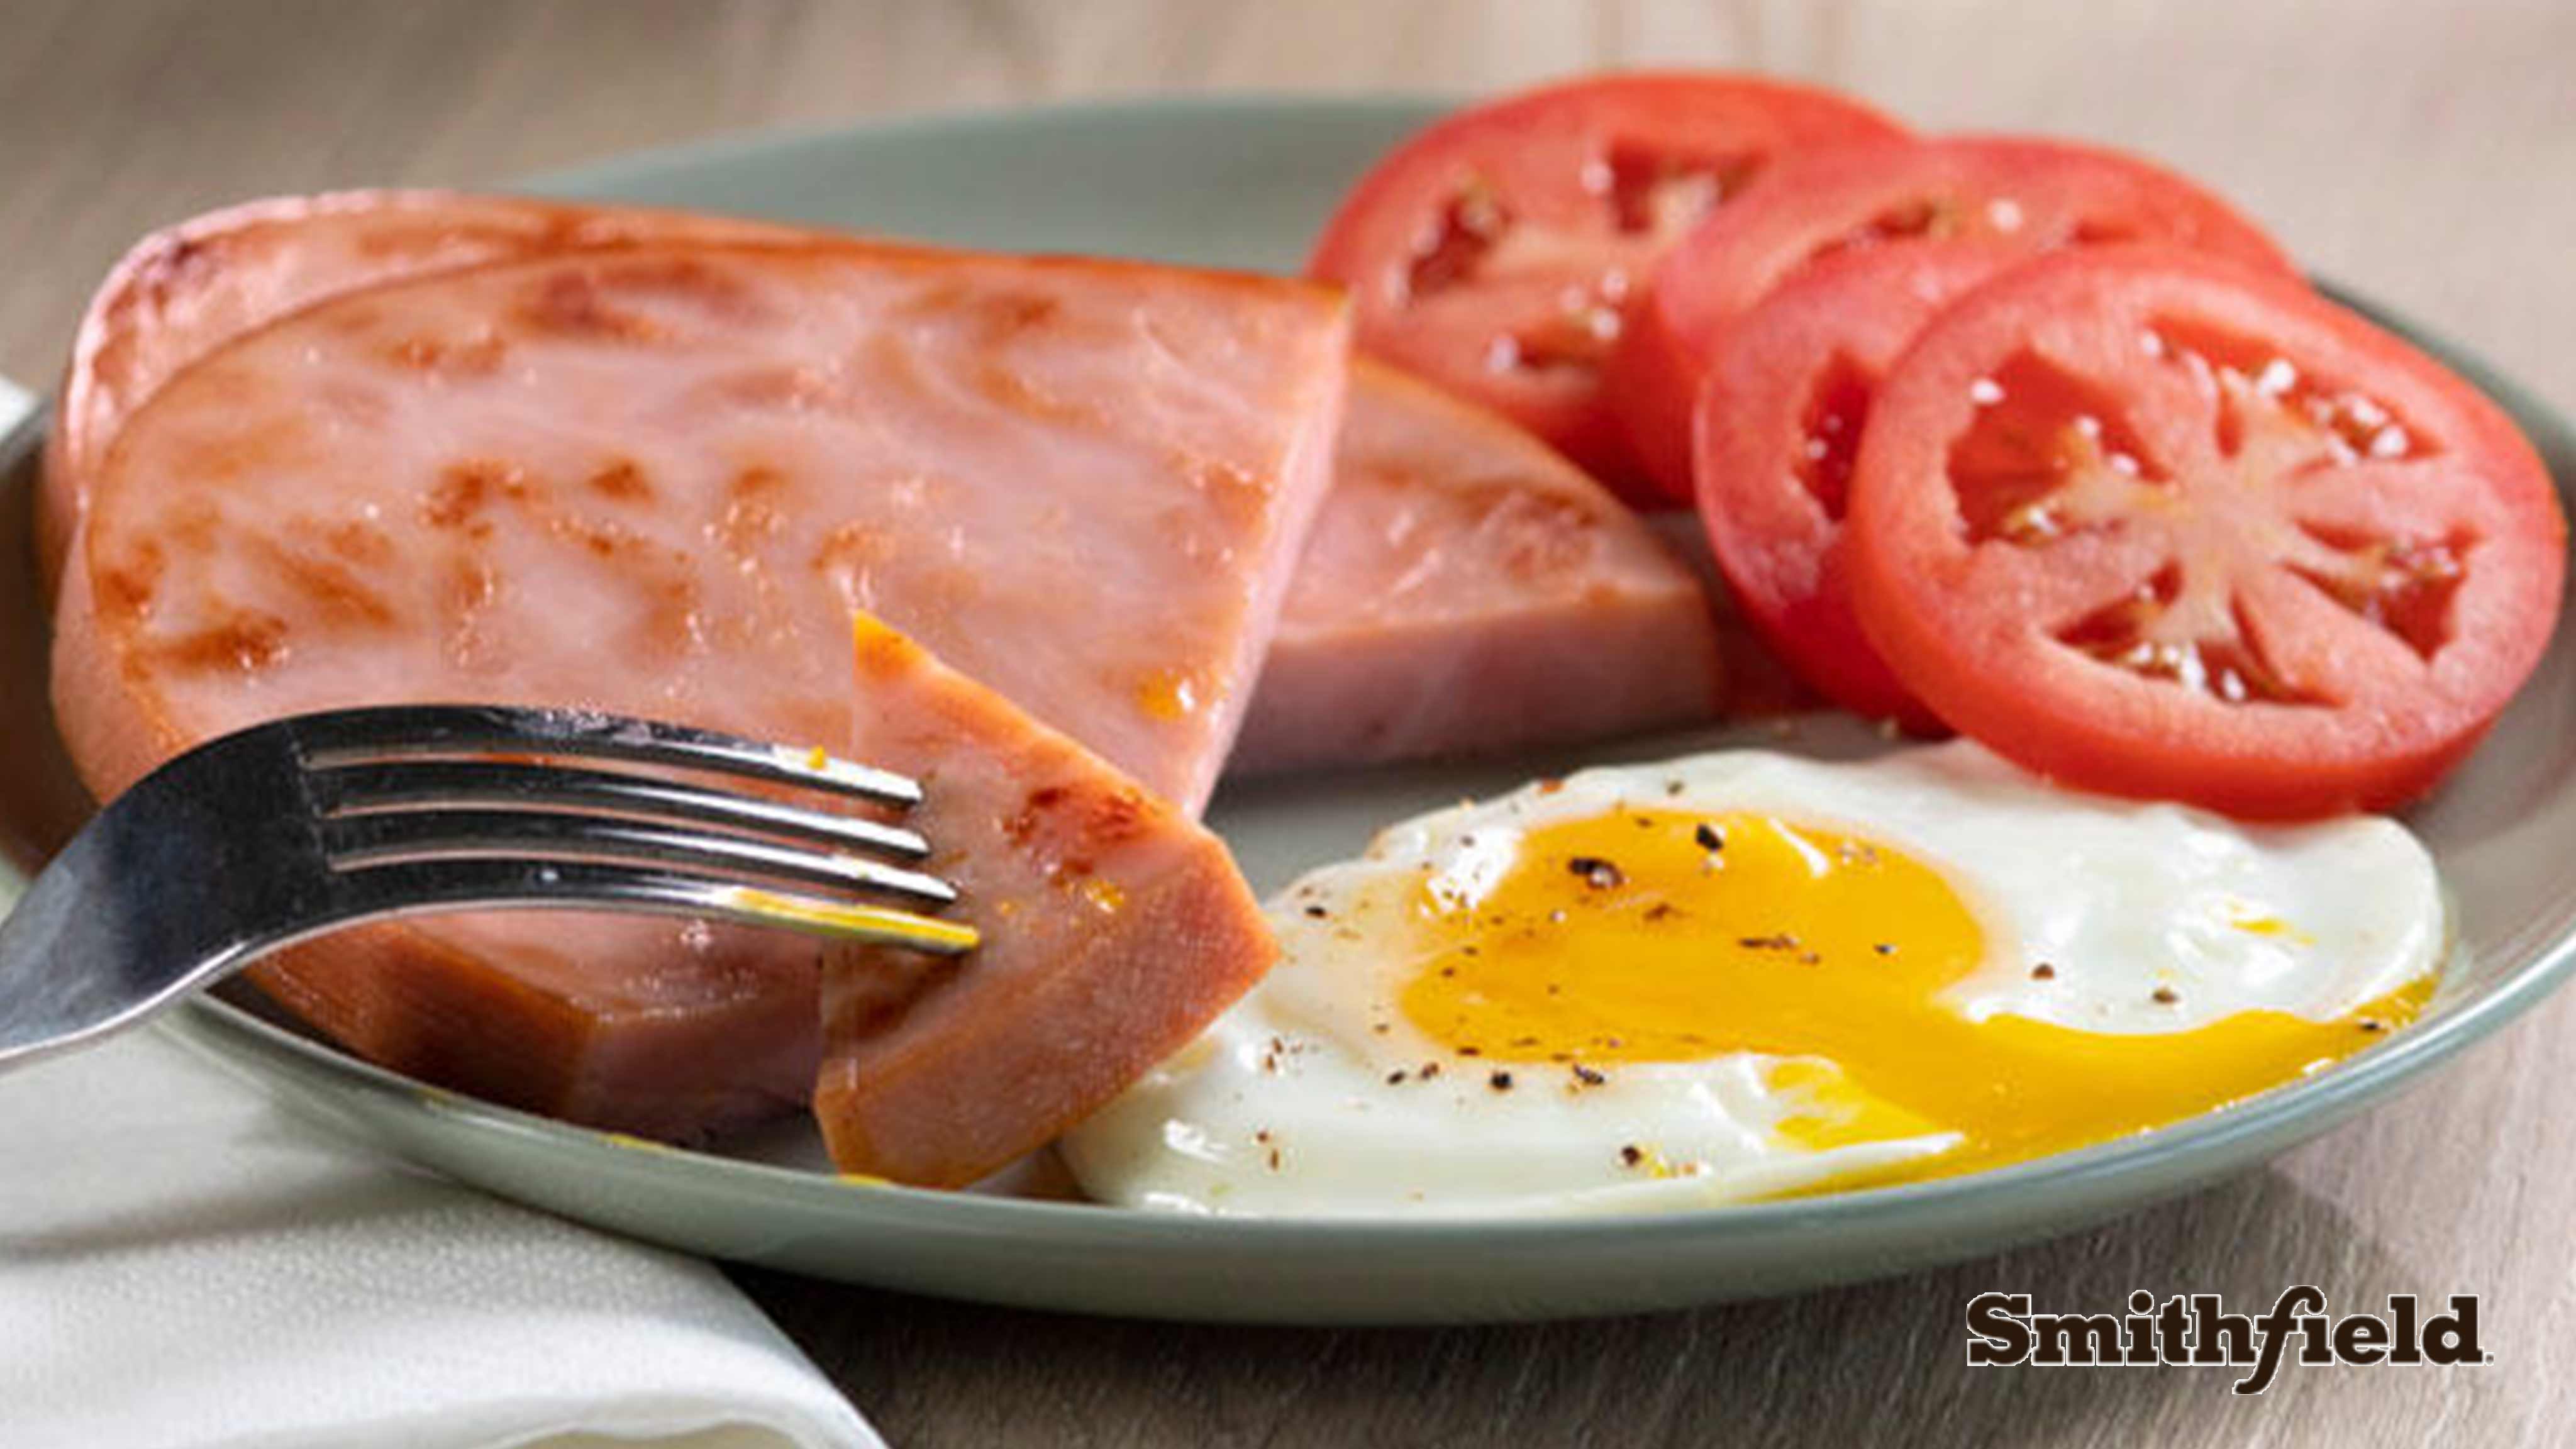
(2424, 151)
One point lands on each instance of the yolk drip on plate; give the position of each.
(1658, 936)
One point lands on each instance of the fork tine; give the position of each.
(359, 840)
(413, 731)
(416, 887)
(362, 789)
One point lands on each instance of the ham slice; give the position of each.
(1467, 590)
(1114, 927)
(659, 479)
(188, 289)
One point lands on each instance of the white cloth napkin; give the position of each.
(185, 1266)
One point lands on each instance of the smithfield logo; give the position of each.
(2198, 1330)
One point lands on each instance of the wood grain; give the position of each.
(2427, 152)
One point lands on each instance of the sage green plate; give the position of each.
(1245, 183)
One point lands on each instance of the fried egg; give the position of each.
(1745, 975)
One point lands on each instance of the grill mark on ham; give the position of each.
(182, 292)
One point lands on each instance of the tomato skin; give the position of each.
(1557, 163)
(1778, 422)
(1975, 626)
(2033, 194)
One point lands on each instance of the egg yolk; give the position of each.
(1658, 936)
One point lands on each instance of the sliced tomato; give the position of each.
(1778, 426)
(2159, 525)
(1495, 253)
(2007, 191)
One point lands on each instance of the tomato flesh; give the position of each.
(1497, 252)
(2157, 525)
(1778, 429)
(2027, 195)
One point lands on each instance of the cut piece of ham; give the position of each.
(658, 480)
(1114, 929)
(1468, 591)
(183, 291)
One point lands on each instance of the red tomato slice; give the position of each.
(2159, 525)
(2009, 191)
(1495, 252)
(1778, 426)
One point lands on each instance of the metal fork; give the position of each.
(291, 829)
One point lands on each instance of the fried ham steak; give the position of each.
(659, 479)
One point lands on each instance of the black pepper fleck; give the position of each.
(1631, 1154)
(1588, 1076)
(2043, 972)
(1709, 837)
(1317, 912)
(1500, 1081)
(2166, 996)
(1884, 948)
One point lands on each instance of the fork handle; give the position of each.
(143, 905)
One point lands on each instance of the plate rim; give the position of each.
(587, 178)
(2214, 1136)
